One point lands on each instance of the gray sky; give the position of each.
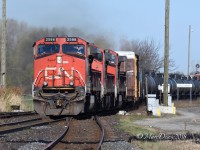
(132, 19)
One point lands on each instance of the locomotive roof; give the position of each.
(54, 37)
(128, 54)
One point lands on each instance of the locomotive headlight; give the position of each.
(59, 59)
(45, 84)
(71, 83)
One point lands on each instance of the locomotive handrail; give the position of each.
(81, 79)
(37, 76)
(35, 81)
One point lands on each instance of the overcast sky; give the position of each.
(132, 19)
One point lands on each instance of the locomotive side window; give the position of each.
(113, 59)
(73, 49)
(110, 58)
(95, 51)
(45, 49)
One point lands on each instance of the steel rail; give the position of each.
(56, 141)
(28, 126)
(102, 133)
(12, 114)
(20, 122)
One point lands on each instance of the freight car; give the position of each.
(72, 76)
(179, 85)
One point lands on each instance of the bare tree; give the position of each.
(147, 51)
(20, 54)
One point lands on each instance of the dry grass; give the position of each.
(8, 97)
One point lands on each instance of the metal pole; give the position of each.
(177, 93)
(189, 50)
(166, 60)
(190, 95)
(3, 45)
(146, 86)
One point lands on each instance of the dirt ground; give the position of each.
(187, 118)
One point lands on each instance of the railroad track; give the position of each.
(110, 133)
(15, 114)
(80, 134)
(25, 124)
(70, 134)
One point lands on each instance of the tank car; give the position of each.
(180, 86)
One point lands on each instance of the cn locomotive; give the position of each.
(73, 76)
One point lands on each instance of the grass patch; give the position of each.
(126, 123)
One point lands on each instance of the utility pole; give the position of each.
(189, 50)
(166, 60)
(3, 45)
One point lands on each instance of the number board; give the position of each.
(184, 85)
(71, 39)
(50, 39)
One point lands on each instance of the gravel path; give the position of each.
(188, 120)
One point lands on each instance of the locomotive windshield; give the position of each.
(73, 49)
(45, 49)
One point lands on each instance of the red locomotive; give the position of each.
(72, 76)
